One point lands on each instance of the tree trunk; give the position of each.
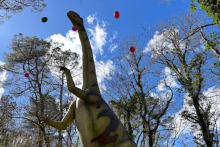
(151, 138)
(130, 131)
(40, 141)
(208, 138)
(61, 111)
(60, 139)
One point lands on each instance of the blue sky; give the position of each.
(103, 29)
(132, 15)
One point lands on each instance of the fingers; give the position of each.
(43, 117)
(43, 120)
(63, 68)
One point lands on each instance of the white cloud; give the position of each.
(98, 33)
(152, 94)
(112, 47)
(161, 87)
(72, 42)
(181, 125)
(103, 70)
(91, 18)
(160, 41)
(211, 97)
(2, 79)
(170, 80)
(201, 47)
(1, 92)
(98, 39)
(113, 37)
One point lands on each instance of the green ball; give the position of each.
(44, 19)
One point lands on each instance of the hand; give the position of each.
(62, 67)
(43, 118)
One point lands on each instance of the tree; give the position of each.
(125, 109)
(31, 55)
(212, 44)
(30, 121)
(14, 6)
(129, 90)
(63, 58)
(27, 57)
(188, 62)
(39, 58)
(211, 8)
(8, 109)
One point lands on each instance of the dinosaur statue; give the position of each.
(97, 125)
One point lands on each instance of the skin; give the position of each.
(96, 123)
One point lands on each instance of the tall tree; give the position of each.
(129, 91)
(14, 6)
(39, 59)
(71, 60)
(8, 109)
(28, 56)
(211, 8)
(185, 56)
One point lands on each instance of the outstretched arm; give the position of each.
(71, 84)
(67, 120)
(82, 94)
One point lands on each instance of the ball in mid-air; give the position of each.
(132, 49)
(44, 19)
(26, 75)
(74, 28)
(117, 14)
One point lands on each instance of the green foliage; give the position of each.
(37, 57)
(193, 7)
(217, 65)
(126, 110)
(213, 41)
(7, 110)
(63, 58)
(211, 8)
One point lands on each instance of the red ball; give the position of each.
(132, 49)
(116, 14)
(26, 75)
(74, 28)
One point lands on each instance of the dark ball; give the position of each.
(44, 19)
